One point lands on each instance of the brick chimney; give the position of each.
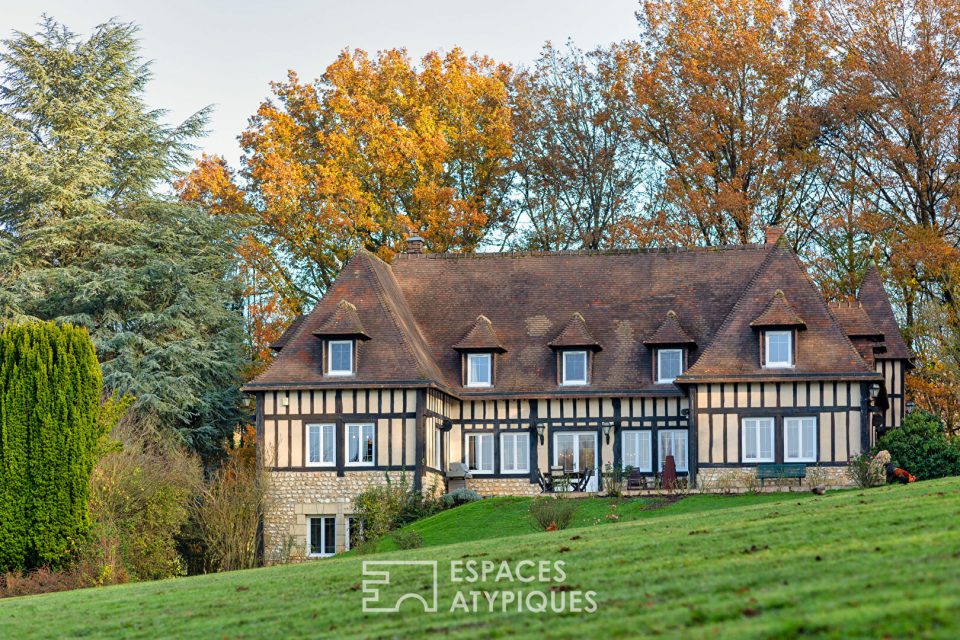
(774, 234)
(414, 244)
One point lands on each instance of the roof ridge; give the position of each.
(528, 253)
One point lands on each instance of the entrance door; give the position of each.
(576, 452)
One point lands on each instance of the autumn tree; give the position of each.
(375, 148)
(579, 161)
(728, 100)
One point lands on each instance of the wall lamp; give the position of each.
(874, 390)
(607, 428)
(285, 401)
(541, 428)
(685, 412)
(911, 405)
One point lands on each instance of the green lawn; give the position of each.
(878, 563)
(503, 517)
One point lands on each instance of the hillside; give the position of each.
(882, 562)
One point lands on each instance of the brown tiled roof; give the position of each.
(575, 334)
(778, 313)
(481, 337)
(822, 350)
(342, 322)
(854, 320)
(874, 299)
(422, 306)
(291, 329)
(670, 332)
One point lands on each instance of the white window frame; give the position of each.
(521, 464)
(471, 378)
(339, 372)
(644, 440)
(483, 440)
(586, 366)
(660, 378)
(347, 530)
(323, 540)
(346, 443)
(321, 427)
(437, 447)
(779, 364)
(799, 422)
(682, 464)
(760, 422)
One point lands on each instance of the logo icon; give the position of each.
(388, 583)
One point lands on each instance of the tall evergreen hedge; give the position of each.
(50, 385)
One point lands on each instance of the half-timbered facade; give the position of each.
(517, 364)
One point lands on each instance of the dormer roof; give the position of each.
(575, 334)
(342, 323)
(670, 332)
(778, 314)
(481, 337)
(854, 320)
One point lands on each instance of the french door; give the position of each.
(576, 452)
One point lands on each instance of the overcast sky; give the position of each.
(225, 53)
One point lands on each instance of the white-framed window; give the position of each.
(673, 442)
(479, 456)
(361, 440)
(321, 445)
(574, 367)
(669, 365)
(340, 358)
(514, 452)
(757, 445)
(321, 536)
(800, 439)
(779, 349)
(479, 369)
(637, 452)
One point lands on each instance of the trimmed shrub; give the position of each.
(460, 496)
(50, 386)
(550, 513)
(920, 446)
(408, 539)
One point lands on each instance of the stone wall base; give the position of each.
(742, 479)
(503, 486)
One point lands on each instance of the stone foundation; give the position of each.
(503, 486)
(740, 479)
(296, 495)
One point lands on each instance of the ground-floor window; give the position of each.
(758, 440)
(480, 452)
(321, 536)
(637, 450)
(514, 452)
(673, 442)
(800, 439)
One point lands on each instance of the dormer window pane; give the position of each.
(479, 369)
(574, 367)
(669, 364)
(779, 349)
(340, 358)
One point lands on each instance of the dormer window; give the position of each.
(341, 334)
(574, 367)
(479, 369)
(669, 365)
(778, 349)
(340, 358)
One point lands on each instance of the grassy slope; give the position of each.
(504, 517)
(853, 564)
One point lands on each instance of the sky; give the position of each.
(225, 54)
